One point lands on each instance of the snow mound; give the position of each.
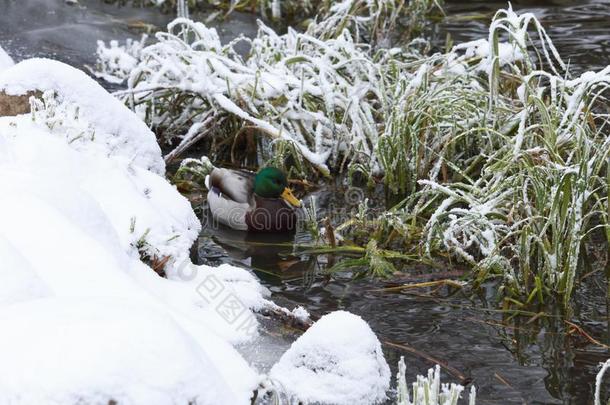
(103, 350)
(337, 361)
(5, 60)
(116, 128)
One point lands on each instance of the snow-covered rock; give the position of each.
(145, 211)
(5, 60)
(117, 130)
(337, 361)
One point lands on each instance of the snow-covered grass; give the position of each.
(187, 89)
(517, 182)
(297, 11)
(316, 96)
(429, 390)
(501, 155)
(271, 9)
(116, 62)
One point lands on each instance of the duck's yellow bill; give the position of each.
(290, 198)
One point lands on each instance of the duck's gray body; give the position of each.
(229, 196)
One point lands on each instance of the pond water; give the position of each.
(515, 361)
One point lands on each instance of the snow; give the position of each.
(18, 282)
(5, 60)
(116, 61)
(300, 314)
(508, 53)
(108, 350)
(56, 213)
(338, 361)
(140, 205)
(117, 129)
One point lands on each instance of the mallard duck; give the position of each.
(246, 201)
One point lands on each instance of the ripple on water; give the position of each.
(579, 29)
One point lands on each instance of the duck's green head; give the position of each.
(271, 182)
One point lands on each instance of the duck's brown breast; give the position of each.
(271, 215)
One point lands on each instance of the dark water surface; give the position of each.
(55, 29)
(509, 361)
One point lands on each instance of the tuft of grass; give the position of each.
(314, 97)
(503, 161)
(428, 390)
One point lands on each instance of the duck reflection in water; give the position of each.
(272, 256)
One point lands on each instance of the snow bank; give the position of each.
(117, 129)
(338, 361)
(5, 60)
(59, 211)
